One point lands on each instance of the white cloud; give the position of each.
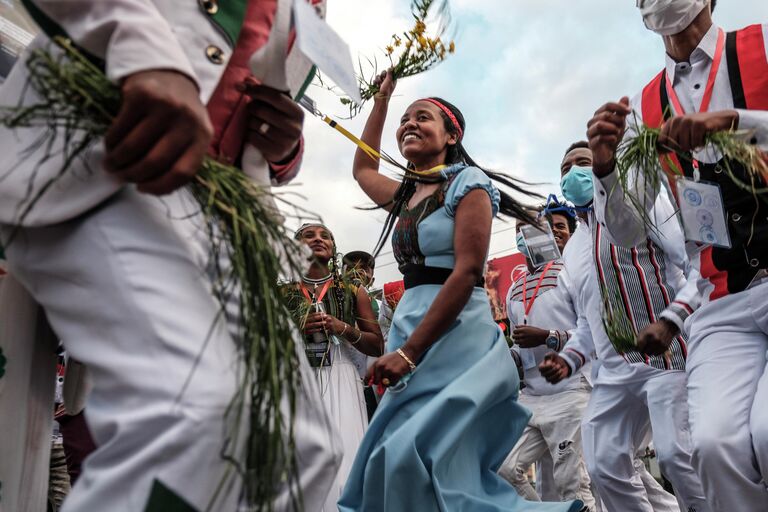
(527, 75)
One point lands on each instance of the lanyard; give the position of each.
(705, 101)
(527, 305)
(708, 90)
(317, 298)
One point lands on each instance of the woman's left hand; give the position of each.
(388, 370)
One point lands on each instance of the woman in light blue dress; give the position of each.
(449, 416)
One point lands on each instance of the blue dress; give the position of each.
(438, 438)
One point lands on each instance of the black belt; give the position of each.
(417, 275)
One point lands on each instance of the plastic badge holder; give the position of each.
(702, 212)
(317, 344)
(540, 243)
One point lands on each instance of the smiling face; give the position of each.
(560, 229)
(581, 157)
(422, 137)
(320, 241)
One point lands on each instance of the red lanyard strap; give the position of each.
(317, 298)
(527, 305)
(707, 99)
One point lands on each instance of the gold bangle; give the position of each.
(407, 359)
(358, 338)
(344, 329)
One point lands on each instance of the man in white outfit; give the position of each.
(540, 317)
(124, 276)
(632, 393)
(711, 82)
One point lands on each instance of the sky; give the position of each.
(527, 75)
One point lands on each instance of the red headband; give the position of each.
(448, 113)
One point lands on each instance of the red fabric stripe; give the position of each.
(657, 271)
(753, 65)
(688, 308)
(653, 117)
(644, 284)
(651, 103)
(622, 288)
(227, 107)
(718, 278)
(646, 293)
(598, 263)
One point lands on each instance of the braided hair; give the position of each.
(456, 153)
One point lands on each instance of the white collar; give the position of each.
(705, 50)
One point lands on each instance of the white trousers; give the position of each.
(125, 287)
(615, 425)
(554, 428)
(27, 381)
(728, 397)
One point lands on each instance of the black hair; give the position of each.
(582, 144)
(712, 5)
(456, 153)
(561, 208)
(359, 258)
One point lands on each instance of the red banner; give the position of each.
(499, 276)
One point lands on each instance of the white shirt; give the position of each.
(552, 309)
(612, 208)
(583, 286)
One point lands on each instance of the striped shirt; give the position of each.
(643, 284)
(635, 282)
(530, 281)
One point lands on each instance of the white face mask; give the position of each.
(669, 17)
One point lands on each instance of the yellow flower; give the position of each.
(397, 41)
(390, 50)
(452, 47)
(422, 41)
(419, 28)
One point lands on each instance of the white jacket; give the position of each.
(131, 36)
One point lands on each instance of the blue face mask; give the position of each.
(521, 245)
(577, 186)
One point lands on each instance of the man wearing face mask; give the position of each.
(712, 81)
(541, 316)
(633, 393)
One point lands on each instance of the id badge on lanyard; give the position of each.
(527, 355)
(701, 203)
(703, 212)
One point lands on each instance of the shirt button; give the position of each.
(210, 6)
(215, 54)
(735, 217)
(697, 86)
(754, 262)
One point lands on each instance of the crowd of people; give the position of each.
(416, 400)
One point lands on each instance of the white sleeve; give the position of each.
(687, 300)
(512, 313)
(580, 347)
(619, 212)
(129, 35)
(755, 123)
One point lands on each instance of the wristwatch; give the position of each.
(552, 340)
